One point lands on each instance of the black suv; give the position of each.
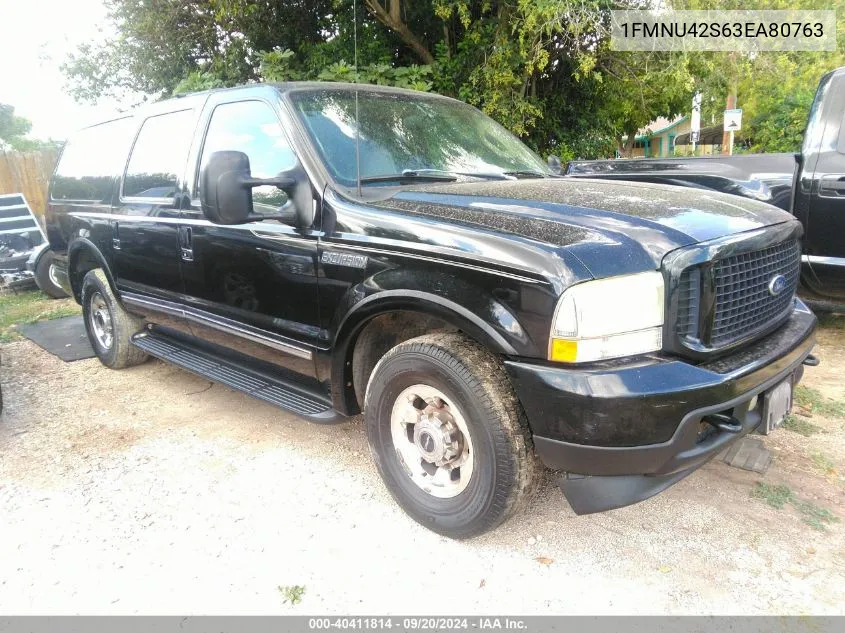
(334, 248)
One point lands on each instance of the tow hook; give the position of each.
(811, 360)
(725, 423)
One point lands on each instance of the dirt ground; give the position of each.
(152, 491)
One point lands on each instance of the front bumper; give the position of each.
(624, 432)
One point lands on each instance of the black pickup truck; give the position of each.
(336, 248)
(810, 185)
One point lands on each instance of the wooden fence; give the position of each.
(28, 173)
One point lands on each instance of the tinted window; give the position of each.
(158, 156)
(253, 128)
(90, 160)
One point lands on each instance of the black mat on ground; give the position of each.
(65, 338)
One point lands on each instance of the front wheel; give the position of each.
(448, 435)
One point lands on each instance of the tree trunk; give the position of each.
(392, 19)
(626, 147)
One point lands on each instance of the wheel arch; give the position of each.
(82, 256)
(416, 306)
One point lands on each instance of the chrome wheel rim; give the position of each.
(432, 441)
(51, 273)
(99, 318)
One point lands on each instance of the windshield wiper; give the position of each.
(469, 174)
(441, 175)
(411, 175)
(525, 173)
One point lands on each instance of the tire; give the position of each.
(45, 279)
(100, 309)
(474, 389)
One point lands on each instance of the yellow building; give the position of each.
(663, 137)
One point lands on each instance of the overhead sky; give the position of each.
(35, 38)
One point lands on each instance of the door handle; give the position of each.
(186, 243)
(832, 185)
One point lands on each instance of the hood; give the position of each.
(612, 227)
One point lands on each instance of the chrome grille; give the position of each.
(741, 301)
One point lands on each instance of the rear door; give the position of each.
(824, 242)
(145, 223)
(251, 287)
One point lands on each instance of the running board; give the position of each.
(218, 368)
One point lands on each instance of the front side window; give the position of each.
(90, 162)
(253, 128)
(158, 156)
(408, 132)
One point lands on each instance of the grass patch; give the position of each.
(815, 402)
(815, 516)
(832, 321)
(775, 496)
(823, 463)
(778, 496)
(801, 426)
(30, 307)
(292, 593)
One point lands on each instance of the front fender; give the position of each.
(488, 310)
(490, 315)
(490, 333)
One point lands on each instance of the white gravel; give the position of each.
(145, 491)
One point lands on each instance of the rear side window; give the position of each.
(158, 156)
(90, 161)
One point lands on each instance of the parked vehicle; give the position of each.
(811, 185)
(333, 248)
(764, 177)
(40, 264)
(25, 255)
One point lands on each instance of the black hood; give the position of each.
(632, 221)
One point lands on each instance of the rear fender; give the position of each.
(79, 250)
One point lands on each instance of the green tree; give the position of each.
(543, 68)
(774, 89)
(14, 131)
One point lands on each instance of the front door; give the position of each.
(251, 287)
(824, 242)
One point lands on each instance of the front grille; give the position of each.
(689, 294)
(743, 303)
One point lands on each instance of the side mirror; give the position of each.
(226, 191)
(554, 164)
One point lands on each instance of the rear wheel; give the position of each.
(448, 435)
(110, 327)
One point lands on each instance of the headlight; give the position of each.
(608, 318)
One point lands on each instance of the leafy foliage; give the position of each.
(14, 131)
(542, 68)
(196, 81)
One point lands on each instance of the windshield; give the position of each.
(402, 132)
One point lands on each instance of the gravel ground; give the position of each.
(151, 491)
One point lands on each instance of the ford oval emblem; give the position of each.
(777, 285)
